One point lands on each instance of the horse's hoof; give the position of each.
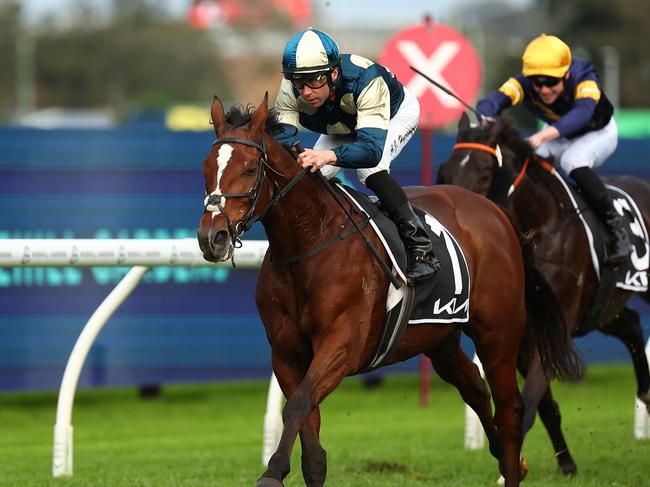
(268, 482)
(523, 468)
(567, 465)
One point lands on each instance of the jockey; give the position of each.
(580, 132)
(365, 117)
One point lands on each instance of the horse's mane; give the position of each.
(240, 115)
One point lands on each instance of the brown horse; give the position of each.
(542, 209)
(323, 312)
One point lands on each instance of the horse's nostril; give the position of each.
(219, 238)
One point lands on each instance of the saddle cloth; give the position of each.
(441, 299)
(633, 274)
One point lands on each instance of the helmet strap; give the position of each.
(330, 83)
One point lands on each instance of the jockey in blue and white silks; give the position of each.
(365, 118)
(580, 131)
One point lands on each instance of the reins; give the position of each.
(367, 241)
(496, 152)
(236, 231)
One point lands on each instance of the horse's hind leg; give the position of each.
(549, 413)
(627, 327)
(453, 366)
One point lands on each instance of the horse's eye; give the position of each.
(251, 171)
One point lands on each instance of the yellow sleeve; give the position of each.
(588, 89)
(513, 90)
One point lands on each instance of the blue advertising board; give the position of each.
(181, 324)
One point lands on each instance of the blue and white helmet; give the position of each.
(309, 52)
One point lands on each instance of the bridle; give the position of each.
(238, 229)
(242, 226)
(496, 152)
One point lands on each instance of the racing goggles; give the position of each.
(313, 81)
(548, 81)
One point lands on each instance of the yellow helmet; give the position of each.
(546, 56)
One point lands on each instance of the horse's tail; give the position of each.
(546, 329)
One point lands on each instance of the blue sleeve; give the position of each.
(286, 134)
(493, 104)
(577, 118)
(364, 152)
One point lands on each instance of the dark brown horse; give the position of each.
(323, 312)
(543, 210)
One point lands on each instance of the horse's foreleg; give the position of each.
(325, 373)
(314, 457)
(627, 327)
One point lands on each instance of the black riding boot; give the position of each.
(421, 261)
(422, 264)
(596, 194)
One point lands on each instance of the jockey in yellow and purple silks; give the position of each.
(365, 118)
(580, 131)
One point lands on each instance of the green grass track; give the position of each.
(210, 435)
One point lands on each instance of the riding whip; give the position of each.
(478, 114)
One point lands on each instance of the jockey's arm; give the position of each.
(509, 93)
(287, 109)
(576, 118)
(373, 118)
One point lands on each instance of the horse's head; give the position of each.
(235, 174)
(475, 158)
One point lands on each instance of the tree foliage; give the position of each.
(134, 58)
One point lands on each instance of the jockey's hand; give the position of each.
(487, 121)
(316, 158)
(544, 135)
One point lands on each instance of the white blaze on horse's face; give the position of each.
(223, 157)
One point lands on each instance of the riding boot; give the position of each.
(621, 246)
(422, 264)
(596, 194)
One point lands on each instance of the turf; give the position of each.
(210, 435)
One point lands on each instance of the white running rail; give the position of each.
(641, 415)
(140, 255)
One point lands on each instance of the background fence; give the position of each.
(182, 323)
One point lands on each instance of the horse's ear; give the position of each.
(260, 115)
(463, 124)
(218, 117)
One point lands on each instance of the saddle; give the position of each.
(631, 275)
(442, 299)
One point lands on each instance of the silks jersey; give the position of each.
(581, 108)
(366, 97)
